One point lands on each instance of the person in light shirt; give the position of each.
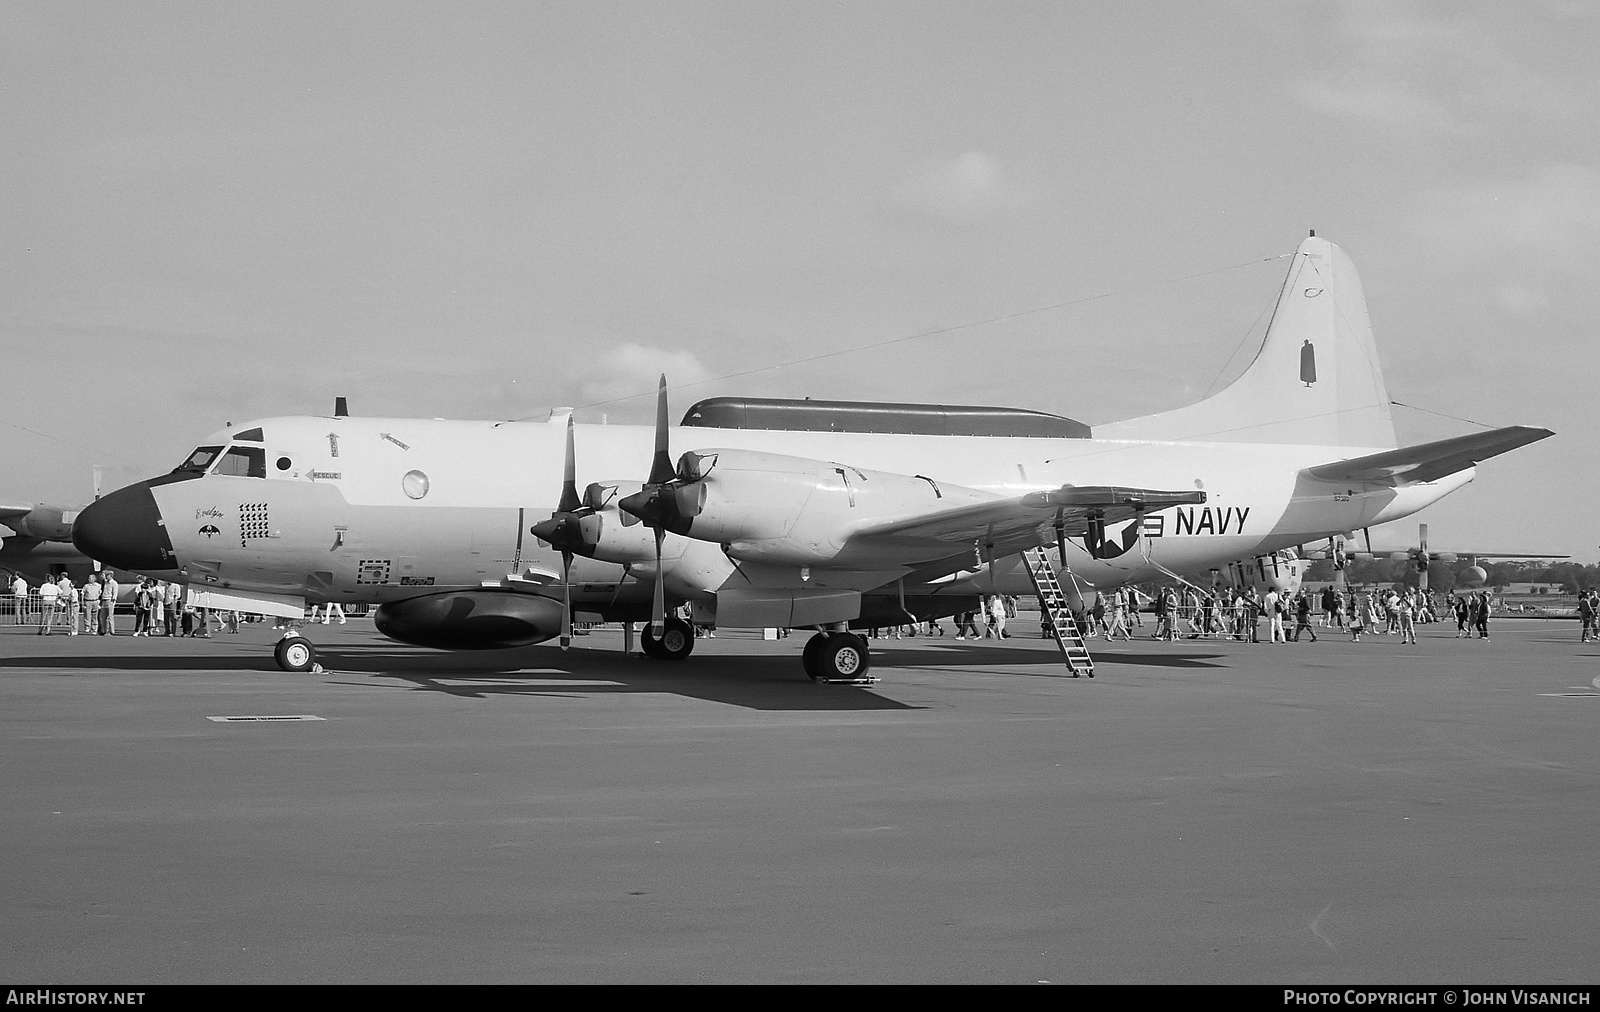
(49, 596)
(108, 605)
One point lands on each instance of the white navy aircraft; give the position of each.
(797, 514)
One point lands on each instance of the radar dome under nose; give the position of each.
(124, 530)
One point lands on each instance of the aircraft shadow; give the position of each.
(141, 662)
(764, 683)
(983, 655)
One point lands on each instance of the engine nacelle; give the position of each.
(616, 536)
(781, 510)
(470, 620)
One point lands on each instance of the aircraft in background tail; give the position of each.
(798, 514)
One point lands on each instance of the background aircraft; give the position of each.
(1343, 548)
(787, 513)
(37, 542)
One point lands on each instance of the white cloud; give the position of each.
(1445, 70)
(1554, 212)
(1520, 300)
(1525, 246)
(969, 187)
(633, 370)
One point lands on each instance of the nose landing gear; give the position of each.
(295, 653)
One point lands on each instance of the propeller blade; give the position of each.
(661, 469)
(658, 613)
(1367, 532)
(566, 600)
(572, 528)
(569, 476)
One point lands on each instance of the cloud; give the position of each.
(1527, 246)
(1450, 72)
(969, 187)
(1553, 212)
(631, 371)
(1520, 300)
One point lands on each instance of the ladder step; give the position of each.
(1054, 605)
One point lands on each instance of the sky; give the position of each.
(212, 212)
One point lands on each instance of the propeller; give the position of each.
(570, 530)
(99, 477)
(1422, 557)
(669, 501)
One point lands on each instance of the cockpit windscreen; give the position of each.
(243, 461)
(198, 461)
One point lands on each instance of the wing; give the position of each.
(955, 537)
(1427, 461)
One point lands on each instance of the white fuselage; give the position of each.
(380, 509)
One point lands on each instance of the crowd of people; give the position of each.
(1239, 613)
(159, 608)
(1188, 612)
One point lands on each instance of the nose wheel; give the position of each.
(295, 653)
(837, 657)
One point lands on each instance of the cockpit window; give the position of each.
(198, 461)
(243, 461)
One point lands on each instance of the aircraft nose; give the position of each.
(124, 530)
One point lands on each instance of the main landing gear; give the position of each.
(837, 657)
(295, 653)
(676, 642)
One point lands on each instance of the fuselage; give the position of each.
(355, 509)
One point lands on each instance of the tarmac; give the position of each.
(1201, 812)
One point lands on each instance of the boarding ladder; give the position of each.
(1053, 604)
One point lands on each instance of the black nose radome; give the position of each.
(124, 530)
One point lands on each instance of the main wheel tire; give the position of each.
(808, 657)
(843, 657)
(676, 642)
(295, 653)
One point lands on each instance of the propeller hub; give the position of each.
(564, 532)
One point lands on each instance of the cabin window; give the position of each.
(243, 461)
(198, 461)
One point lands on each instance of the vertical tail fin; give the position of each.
(1316, 379)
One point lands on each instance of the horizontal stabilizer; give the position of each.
(1427, 461)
